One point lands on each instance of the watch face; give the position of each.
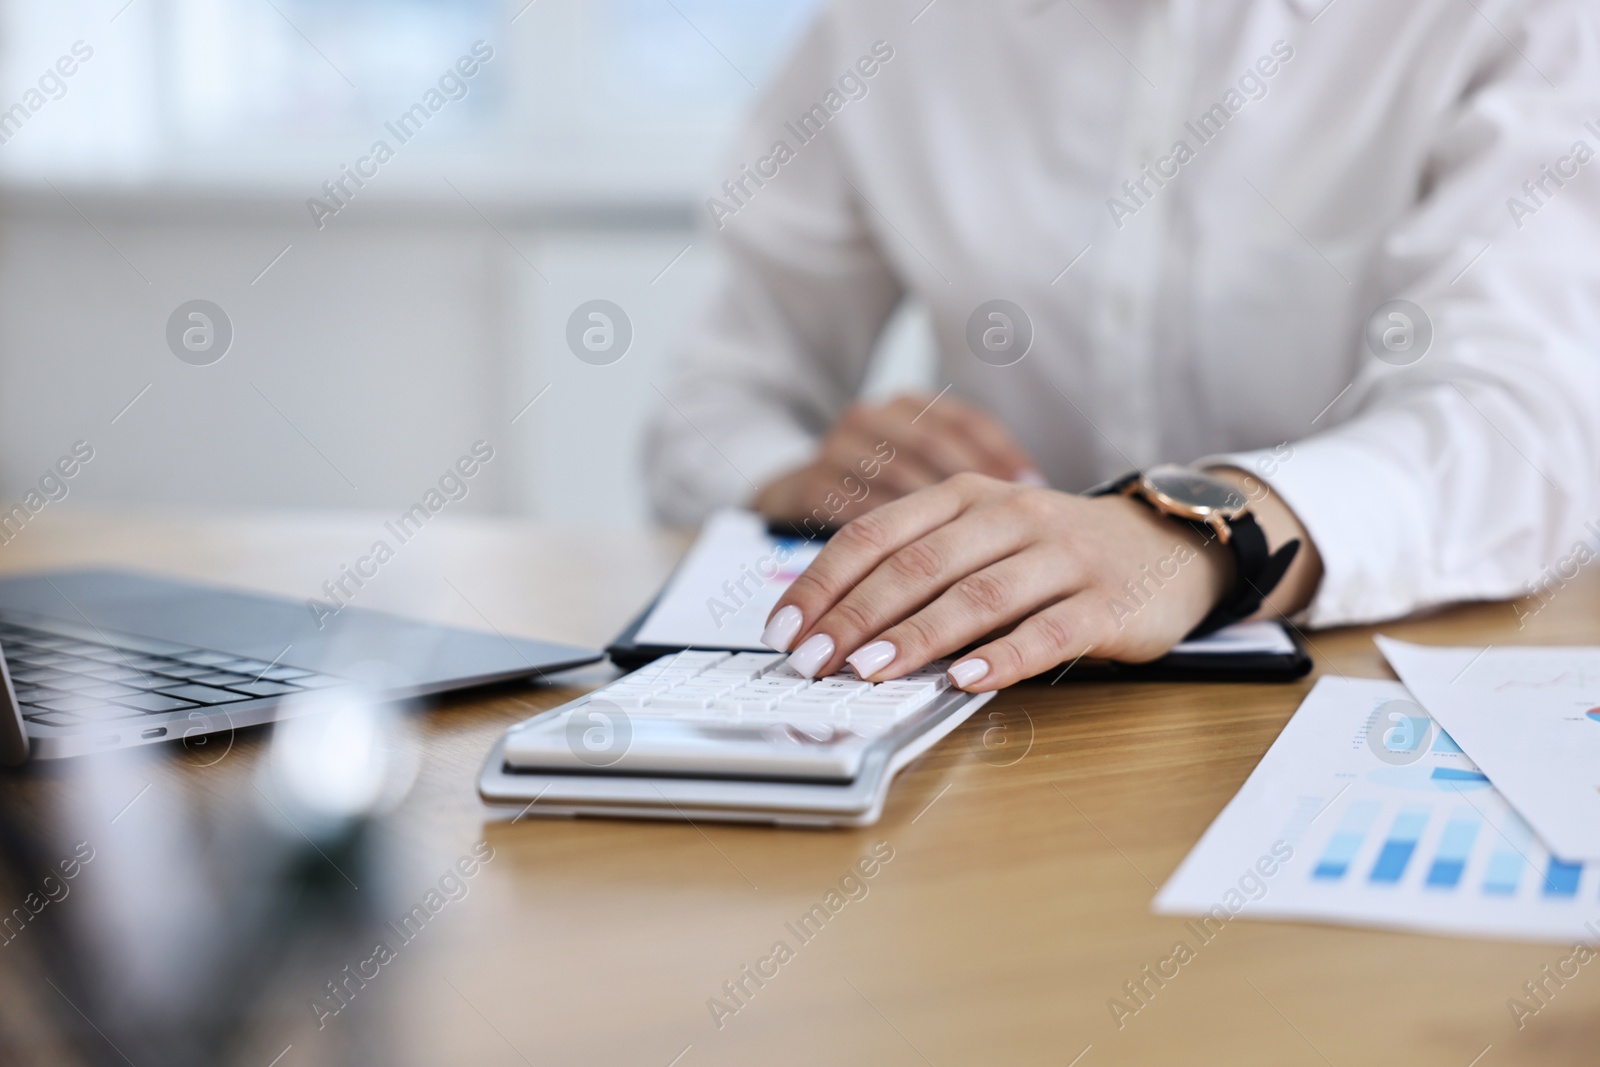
(1195, 489)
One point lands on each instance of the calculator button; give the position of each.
(712, 689)
(717, 674)
(699, 660)
(779, 685)
(920, 685)
(666, 679)
(757, 662)
(684, 700)
(748, 702)
(625, 695)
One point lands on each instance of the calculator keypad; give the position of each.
(760, 688)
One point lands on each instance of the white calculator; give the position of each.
(726, 736)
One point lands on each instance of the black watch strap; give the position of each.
(1257, 571)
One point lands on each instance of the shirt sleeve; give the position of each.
(804, 292)
(1463, 474)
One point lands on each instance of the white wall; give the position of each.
(365, 360)
(389, 344)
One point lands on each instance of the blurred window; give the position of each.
(263, 90)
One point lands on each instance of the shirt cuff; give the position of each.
(1363, 517)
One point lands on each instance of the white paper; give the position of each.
(735, 572)
(1531, 718)
(722, 593)
(1401, 831)
(1252, 637)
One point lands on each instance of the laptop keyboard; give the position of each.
(67, 681)
(760, 688)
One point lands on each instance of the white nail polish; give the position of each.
(813, 652)
(870, 659)
(782, 628)
(969, 671)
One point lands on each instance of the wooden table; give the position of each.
(1017, 901)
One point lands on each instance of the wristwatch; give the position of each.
(1218, 511)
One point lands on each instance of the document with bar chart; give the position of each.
(1530, 717)
(1365, 812)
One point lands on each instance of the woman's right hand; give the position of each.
(880, 452)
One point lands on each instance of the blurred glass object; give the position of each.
(192, 930)
(343, 760)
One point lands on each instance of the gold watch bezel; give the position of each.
(1219, 518)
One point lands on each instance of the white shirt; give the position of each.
(1376, 150)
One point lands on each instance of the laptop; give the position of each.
(98, 660)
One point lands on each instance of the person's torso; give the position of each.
(1185, 199)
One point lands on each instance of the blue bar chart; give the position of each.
(1400, 844)
(1511, 845)
(1408, 839)
(1346, 841)
(1506, 861)
(1561, 879)
(1454, 849)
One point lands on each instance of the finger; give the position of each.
(945, 451)
(980, 602)
(1008, 457)
(984, 444)
(852, 554)
(904, 472)
(945, 446)
(906, 581)
(910, 421)
(1055, 635)
(998, 453)
(909, 405)
(904, 479)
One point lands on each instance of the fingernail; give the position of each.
(812, 654)
(969, 671)
(870, 659)
(1031, 476)
(782, 628)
